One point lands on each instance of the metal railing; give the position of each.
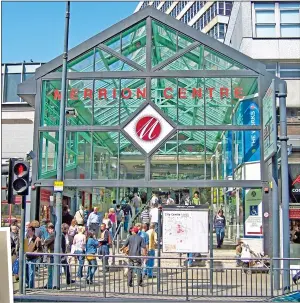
(170, 279)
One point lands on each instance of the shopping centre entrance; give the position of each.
(155, 105)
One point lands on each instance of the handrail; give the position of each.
(133, 221)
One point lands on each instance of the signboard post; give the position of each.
(269, 122)
(185, 229)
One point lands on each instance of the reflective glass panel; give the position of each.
(132, 161)
(132, 96)
(50, 107)
(164, 161)
(48, 155)
(78, 155)
(191, 155)
(105, 155)
(80, 98)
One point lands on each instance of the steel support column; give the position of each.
(284, 186)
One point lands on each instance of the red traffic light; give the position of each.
(20, 170)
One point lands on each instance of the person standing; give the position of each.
(145, 216)
(113, 219)
(72, 231)
(154, 200)
(79, 216)
(34, 245)
(127, 214)
(91, 250)
(104, 243)
(107, 221)
(136, 202)
(219, 224)
(65, 240)
(93, 222)
(196, 199)
(154, 216)
(137, 248)
(151, 252)
(79, 243)
(49, 244)
(66, 216)
(119, 217)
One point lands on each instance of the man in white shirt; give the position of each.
(154, 216)
(93, 222)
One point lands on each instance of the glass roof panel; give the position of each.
(108, 62)
(216, 61)
(131, 43)
(164, 43)
(192, 60)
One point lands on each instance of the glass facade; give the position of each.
(131, 87)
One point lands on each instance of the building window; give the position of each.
(289, 19)
(178, 8)
(11, 84)
(218, 31)
(284, 70)
(289, 70)
(144, 4)
(155, 4)
(192, 11)
(274, 20)
(166, 5)
(218, 8)
(27, 76)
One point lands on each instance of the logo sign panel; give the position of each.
(148, 129)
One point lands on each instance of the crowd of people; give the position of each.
(88, 235)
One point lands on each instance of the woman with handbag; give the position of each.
(91, 250)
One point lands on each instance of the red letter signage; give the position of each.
(56, 95)
(165, 93)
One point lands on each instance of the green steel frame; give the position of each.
(143, 52)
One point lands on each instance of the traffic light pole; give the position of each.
(21, 252)
(61, 153)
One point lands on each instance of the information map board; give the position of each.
(185, 229)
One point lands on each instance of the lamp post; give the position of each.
(61, 153)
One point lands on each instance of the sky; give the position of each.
(35, 30)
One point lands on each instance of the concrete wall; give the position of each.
(17, 133)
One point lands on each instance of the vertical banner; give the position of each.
(253, 213)
(269, 122)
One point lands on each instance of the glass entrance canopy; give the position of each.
(209, 94)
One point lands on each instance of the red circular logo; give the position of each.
(148, 128)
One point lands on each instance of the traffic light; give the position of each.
(20, 177)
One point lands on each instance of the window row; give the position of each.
(218, 31)
(192, 11)
(178, 8)
(284, 70)
(274, 20)
(190, 155)
(10, 82)
(218, 8)
(166, 6)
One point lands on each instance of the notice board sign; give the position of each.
(185, 229)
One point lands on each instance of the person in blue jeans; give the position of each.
(34, 245)
(219, 224)
(79, 243)
(91, 250)
(152, 238)
(104, 243)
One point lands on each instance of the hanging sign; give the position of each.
(58, 186)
